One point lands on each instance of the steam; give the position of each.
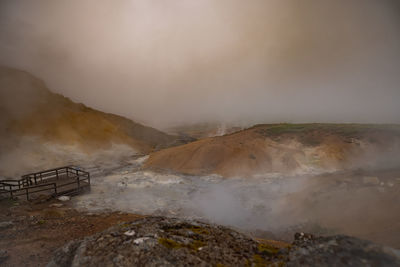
(31, 154)
(264, 205)
(230, 60)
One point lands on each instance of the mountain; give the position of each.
(285, 148)
(37, 124)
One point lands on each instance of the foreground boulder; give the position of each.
(158, 241)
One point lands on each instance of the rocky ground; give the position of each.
(31, 234)
(160, 241)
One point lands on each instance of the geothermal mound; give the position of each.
(285, 148)
(158, 241)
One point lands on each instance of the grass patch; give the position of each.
(339, 128)
(268, 249)
(198, 230)
(259, 261)
(172, 244)
(169, 243)
(311, 133)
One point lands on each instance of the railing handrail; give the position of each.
(49, 170)
(29, 181)
(27, 176)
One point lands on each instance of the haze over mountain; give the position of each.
(231, 60)
(42, 129)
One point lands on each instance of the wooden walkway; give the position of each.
(66, 180)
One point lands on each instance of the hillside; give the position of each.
(285, 148)
(33, 118)
(203, 130)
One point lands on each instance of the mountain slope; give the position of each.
(285, 148)
(28, 109)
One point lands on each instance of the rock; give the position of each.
(64, 198)
(139, 241)
(371, 180)
(161, 241)
(340, 251)
(3, 255)
(129, 233)
(164, 242)
(56, 205)
(5, 225)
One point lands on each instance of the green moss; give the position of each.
(268, 249)
(220, 265)
(259, 261)
(124, 225)
(199, 230)
(169, 243)
(40, 222)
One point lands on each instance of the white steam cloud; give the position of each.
(183, 61)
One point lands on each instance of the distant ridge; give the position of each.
(29, 109)
(285, 149)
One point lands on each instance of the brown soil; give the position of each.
(283, 148)
(38, 229)
(28, 107)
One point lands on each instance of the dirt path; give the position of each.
(30, 232)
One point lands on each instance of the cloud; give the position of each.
(189, 61)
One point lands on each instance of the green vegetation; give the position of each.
(124, 225)
(169, 243)
(341, 128)
(311, 134)
(268, 249)
(198, 230)
(172, 244)
(259, 261)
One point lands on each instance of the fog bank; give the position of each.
(272, 206)
(190, 61)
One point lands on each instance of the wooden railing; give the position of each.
(46, 181)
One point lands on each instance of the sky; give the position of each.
(172, 62)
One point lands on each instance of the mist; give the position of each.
(271, 205)
(181, 62)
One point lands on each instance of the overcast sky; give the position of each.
(167, 62)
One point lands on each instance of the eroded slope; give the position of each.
(285, 148)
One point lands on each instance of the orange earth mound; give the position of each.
(281, 148)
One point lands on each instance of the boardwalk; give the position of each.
(66, 180)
